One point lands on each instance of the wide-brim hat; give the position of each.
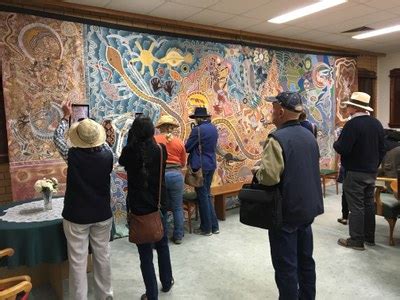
(87, 134)
(164, 120)
(200, 112)
(360, 99)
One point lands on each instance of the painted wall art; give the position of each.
(120, 72)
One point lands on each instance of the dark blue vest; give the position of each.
(300, 181)
(87, 197)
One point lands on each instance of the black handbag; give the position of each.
(261, 205)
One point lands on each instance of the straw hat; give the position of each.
(87, 134)
(166, 119)
(360, 99)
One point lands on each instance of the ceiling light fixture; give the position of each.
(305, 11)
(377, 32)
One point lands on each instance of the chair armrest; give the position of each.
(378, 201)
(24, 286)
(386, 179)
(6, 252)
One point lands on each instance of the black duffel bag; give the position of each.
(260, 205)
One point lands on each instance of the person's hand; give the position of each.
(67, 108)
(255, 169)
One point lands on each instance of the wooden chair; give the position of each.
(387, 205)
(332, 174)
(13, 286)
(327, 174)
(190, 206)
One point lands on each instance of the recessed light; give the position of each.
(377, 32)
(305, 11)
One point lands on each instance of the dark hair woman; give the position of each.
(141, 159)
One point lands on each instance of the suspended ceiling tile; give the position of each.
(134, 6)
(174, 11)
(265, 28)
(237, 6)
(209, 17)
(196, 3)
(386, 4)
(275, 8)
(238, 23)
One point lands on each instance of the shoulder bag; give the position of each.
(195, 178)
(260, 205)
(147, 228)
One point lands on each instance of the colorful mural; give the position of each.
(123, 72)
(42, 65)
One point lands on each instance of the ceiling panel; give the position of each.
(237, 6)
(134, 6)
(275, 8)
(209, 17)
(174, 11)
(379, 4)
(265, 28)
(239, 23)
(324, 27)
(196, 3)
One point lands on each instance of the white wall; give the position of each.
(385, 64)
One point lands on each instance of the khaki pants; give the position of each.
(78, 237)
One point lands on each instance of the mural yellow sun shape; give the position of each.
(146, 57)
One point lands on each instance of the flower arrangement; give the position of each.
(46, 185)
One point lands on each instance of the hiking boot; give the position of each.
(201, 232)
(349, 243)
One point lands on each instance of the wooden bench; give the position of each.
(220, 193)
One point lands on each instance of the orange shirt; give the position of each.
(175, 149)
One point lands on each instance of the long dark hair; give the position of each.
(140, 134)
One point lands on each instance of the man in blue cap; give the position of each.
(290, 159)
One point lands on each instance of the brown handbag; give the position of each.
(148, 228)
(195, 178)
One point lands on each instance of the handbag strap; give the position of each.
(160, 182)
(200, 149)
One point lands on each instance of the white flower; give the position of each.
(45, 184)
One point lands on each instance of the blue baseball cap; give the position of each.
(292, 101)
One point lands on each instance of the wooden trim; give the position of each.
(150, 23)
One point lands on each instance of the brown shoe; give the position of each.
(349, 243)
(342, 221)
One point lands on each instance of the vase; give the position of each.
(47, 197)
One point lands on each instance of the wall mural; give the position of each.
(123, 72)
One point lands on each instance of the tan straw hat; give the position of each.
(360, 99)
(87, 134)
(166, 119)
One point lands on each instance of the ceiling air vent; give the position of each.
(358, 29)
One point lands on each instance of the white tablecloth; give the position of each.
(34, 212)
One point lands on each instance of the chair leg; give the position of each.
(337, 187)
(392, 224)
(189, 213)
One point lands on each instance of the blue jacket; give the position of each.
(208, 140)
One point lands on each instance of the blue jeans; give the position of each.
(164, 264)
(208, 219)
(174, 184)
(291, 253)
